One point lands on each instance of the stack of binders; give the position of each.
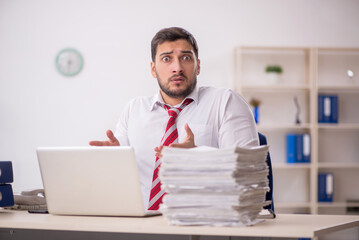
(298, 148)
(6, 177)
(214, 187)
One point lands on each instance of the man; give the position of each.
(212, 117)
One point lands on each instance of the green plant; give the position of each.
(274, 68)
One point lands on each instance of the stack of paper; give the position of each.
(209, 186)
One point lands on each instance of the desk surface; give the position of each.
(285, 225)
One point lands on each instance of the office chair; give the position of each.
(269, 195)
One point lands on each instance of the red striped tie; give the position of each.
(169, 137)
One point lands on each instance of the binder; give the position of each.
(325, 187)
(6, 177)
(320, 109)
(324, 108)
(291, 147)
(306, 148)
(327, 108)
(6, 195)
(299, 149)
(334, 109)
(6, 174)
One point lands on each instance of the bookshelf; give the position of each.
(307, 73)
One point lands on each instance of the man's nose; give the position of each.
(177, 66)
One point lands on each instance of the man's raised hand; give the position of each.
(112, 140)
(187, 143)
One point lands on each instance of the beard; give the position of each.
(178, 93)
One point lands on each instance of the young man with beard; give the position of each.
(205, 115)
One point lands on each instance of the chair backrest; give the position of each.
(269, 195)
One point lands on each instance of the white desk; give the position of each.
(285, 225)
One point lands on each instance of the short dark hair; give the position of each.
(172, 34)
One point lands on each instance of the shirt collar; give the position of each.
(157, 99)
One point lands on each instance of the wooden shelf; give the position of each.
(274, 49)
(340, 88)
(274, 88)
(291, 205)
(338, 165)
(339, 126)
(282, 127)
(337, 204)
(291, 166)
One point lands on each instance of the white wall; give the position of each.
(39, 107)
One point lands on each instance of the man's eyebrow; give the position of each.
(187, 51)
(183, 51)
(166, 53)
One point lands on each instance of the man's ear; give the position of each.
(153, 70)
(198, 66)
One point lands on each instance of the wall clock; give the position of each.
(69, 62)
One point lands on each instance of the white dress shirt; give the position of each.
(218, 118)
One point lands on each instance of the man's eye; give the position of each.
(165, 59)
(187, 58)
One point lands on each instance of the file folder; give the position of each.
(291, 148)
(6, 174)
(325, 187)
(6, 195)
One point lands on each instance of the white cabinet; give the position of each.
(307, 72)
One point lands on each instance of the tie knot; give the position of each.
(174, 111)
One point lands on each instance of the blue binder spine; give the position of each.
(320, 109)
(299, 148)
(334, 109)
(6, 195)
(325, 187)
(291, 148)
(6, 177)
(327, 109)
(306, 148)
(6, 174)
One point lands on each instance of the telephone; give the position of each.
(30, 200)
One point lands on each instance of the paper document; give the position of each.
(217, 187)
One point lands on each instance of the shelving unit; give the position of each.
(307, 72)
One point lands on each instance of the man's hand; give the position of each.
(112, 140)
(187, 143)
(158, 151)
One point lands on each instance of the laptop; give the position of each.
(93, 181)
